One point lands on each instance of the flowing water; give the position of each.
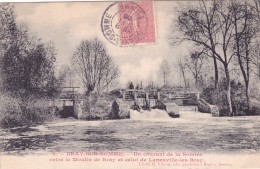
(155, 114)
(193, 131)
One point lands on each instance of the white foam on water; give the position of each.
(194, 115)
(154, 114)
(41, 128)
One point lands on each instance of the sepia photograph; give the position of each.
(130, 84)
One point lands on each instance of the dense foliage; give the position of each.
(27, 72)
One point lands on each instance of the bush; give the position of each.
(219, 98)
(239, 101)
(17, 112)
(116, 93)
(216, 97)
(98, 107)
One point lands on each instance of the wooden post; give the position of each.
(124, 94)
(158, 95)
(146, 95)
(147, 98)
(135, 94)
(198, 95)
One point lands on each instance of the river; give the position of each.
(193, 131)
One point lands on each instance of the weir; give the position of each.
(172, 101)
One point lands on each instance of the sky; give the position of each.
(66, 24)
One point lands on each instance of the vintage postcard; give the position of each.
(130, 84)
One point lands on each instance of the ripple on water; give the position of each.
(214, 134)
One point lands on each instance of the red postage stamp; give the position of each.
(129, 23)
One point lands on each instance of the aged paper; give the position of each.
(130, 84)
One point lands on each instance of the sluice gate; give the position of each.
(171, 100)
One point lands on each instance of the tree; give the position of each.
(26, 70)
(257, 7)
(110, 75)
(8, 28)
(199, 25)
(95, 67)
(245, 29)
(66, 76)
(182, 67)
(165, 72)
(194, 64)
(209, 26)
(27, 63)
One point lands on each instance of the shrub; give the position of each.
(238, 96)
(116, 93)
(219, 98)
(97, 107)
(100, 107)
(216, 97)
(17, 112)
